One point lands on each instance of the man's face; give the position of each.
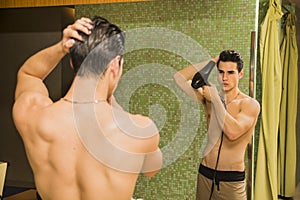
(229, 75)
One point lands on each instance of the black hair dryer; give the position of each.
(201, 77)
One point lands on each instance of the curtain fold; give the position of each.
(265, 187)
(288, 110)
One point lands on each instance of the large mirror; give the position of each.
(171, 35)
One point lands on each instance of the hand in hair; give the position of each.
(83, 24)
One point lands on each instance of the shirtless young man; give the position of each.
(64, 166)
(237, 122)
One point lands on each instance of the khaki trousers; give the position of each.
(227, 190)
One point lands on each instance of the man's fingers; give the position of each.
(200, 90)
(71, 33)
(84, 25)
(206, 92)
(85, 20)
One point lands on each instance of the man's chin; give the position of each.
(225, 89)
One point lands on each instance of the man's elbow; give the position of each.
(151, 174)
(152, 164)
(176, 77)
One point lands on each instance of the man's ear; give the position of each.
(115, 65)
(241, 73)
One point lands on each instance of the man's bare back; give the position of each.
(64, 166)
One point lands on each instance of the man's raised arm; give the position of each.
(37, 67)
(183, 78)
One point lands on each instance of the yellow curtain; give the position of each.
(265, 187)
(288, 109)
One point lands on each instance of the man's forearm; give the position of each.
(225, 120)
(42, 63)
(188, 72)
(183, 78)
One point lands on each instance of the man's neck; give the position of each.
(86, 89)
(230, 95)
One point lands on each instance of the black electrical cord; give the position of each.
(217, 162)
(215, 170)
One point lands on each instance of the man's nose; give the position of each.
(224, 76)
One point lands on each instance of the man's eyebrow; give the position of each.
(230, 71)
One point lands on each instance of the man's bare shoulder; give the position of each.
(141, 120)
(248, 102)
(148, 134)
(31, 100)
(28, 107)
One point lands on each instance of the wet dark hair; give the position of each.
(231, 56)
(105, 42)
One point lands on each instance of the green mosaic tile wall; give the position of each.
(147, 85)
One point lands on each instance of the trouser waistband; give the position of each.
(225, 176)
